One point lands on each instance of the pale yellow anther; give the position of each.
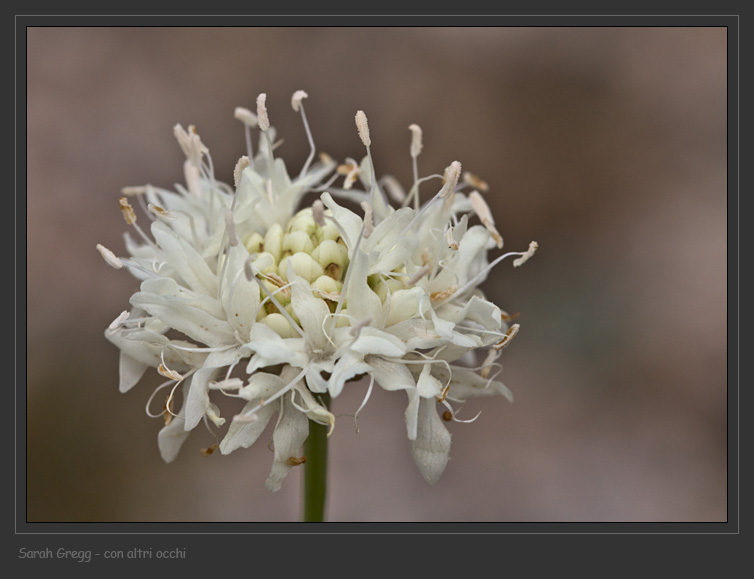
(133, 191)
(351, 170)
(262, 118)
(416, 139)
(296, 99)
(444, 294)
(529, 252)
(245, 116)
(109, 257)
(160, 212)
(242, 163)
(452, 243)
(127, 210)
(509, 335)
(118, 322)
(363, 128)
(450, 178)
(485, 215)
(474, 181)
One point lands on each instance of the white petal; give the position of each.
(179, 315)
(351, 364)
(431, 449)
(374, 341)
(244, 434)
(427, 385)
(131, 371)
(363, 303)
(187, 262)
(348, 222)
(172, 436)
(290, 433)
(311, 311)
(391, 375)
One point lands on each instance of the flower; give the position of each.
(246, 294)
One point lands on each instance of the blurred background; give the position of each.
(605, 145)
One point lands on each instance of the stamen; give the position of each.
(474, 181)
(163, 370)
(109, 257)
(485, 215)
(243, 162)
(128, 211)
(134, 191)
(452, 243)
(245, 116)
(452, 174)
(527, 254)
(416, 140)
(351, 170)
(249, 120)
(509, 335)
(363, 128)
(262, 118)
(118, 322)
(160, 212)
(444, 294)
(298, 96)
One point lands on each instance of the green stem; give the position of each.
(315, 470)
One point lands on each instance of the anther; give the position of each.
(452, 243)
(485, 215)
(356, 330)
(127, 210)
(245, 116)
(526, 255)
(363, 128)
(509, 335)
(451, 176)
(262, 118)
(474, 181)
(109, 257)
(416, 140)
(298, 96)
(133, 191)
(243, 162)
(118, 322)
(160, 212)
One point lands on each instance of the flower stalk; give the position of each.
(315, 470)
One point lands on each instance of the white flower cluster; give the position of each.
(245, 294)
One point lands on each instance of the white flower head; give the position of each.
(245, 293)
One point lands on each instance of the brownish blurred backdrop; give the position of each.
(606, 145)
